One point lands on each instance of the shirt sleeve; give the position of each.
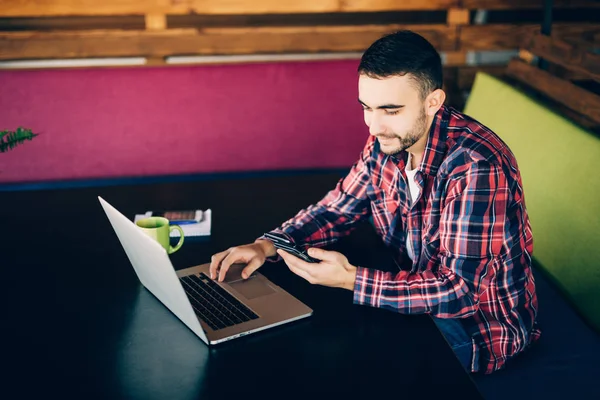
(336, 214)
(471, 237)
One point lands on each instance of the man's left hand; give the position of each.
(334, 270)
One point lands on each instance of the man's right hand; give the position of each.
(254, 255)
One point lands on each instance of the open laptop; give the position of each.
(215, 311)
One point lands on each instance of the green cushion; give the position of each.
(559, 166)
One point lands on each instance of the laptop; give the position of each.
(214, 311)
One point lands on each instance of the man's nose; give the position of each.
(375, 126)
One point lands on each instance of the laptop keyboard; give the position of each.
(213, 304)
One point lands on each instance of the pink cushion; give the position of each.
(115, 122)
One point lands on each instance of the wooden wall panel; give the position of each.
(457, 36)
(46, 8)
(23, 8)
(156, 43)
(564, 92)
(567, 55)
(505, 36)
(526, 4)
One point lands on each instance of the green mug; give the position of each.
(158, 228)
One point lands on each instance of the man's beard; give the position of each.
(411, 137)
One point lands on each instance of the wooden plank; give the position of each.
(511, 36)
(154, 61)
(47, 8)
(526, 4)
(564, 92)
(586, 41)
(393, 5)
(213, 41)
(26, 8)
(454, 58)
(71, 23)
(564, 54)
(254, 6)
(563, 73)
(458, 16)
(156, 22)
(305, 6)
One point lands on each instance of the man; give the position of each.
(444, 193)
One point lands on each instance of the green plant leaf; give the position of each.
(11, 139)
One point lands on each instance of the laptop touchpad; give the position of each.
(251, 288)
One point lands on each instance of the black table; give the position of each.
(76, 323)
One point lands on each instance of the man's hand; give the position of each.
(334, 270)
(254, 255)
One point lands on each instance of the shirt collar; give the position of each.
(436, 147)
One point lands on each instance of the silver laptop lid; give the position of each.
(153, 268)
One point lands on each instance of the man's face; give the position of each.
(393, 111)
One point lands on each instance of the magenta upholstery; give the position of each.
(130, 122)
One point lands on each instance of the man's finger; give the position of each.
(225, 264)
(215, 261)
(323, 255)
(252, 266)
(301, 273)
(296, 262)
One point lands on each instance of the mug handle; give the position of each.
(178, 245)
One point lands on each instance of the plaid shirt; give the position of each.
(469, 230)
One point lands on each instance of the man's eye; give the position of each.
(392, 112)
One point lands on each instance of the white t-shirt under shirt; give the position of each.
(413, 189)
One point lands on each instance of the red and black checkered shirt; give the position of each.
(469, 229)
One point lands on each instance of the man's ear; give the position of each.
(434, 101)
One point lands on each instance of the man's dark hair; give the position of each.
(401, 53)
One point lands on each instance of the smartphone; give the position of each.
(179, 217)
(280, 242)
